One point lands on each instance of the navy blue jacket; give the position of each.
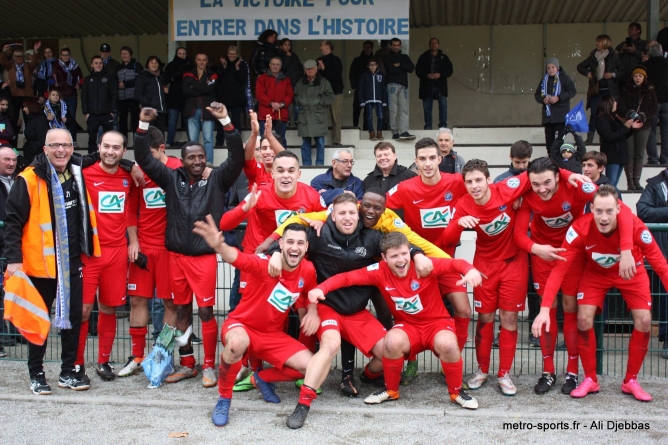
(326, 181)
(371, 88)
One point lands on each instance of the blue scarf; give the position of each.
(55, 123)
(556, 86)
(19, 73)
(62, 319)
(105, 61)
(71, 66)
(45, 71)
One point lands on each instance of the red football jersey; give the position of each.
(427, 208)
(148, 212)
(109, 194)
(256, 174)
(603, 254)
(267, 301)
(272, 211)
(411, 299)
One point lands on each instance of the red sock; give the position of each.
(307, 395)
(255, 364)
(392, 368)
(587, 352)
(138, 341)
(209, 342)
(308, 341)
(227, 374)
(83, 336)
(280, 375)
(375, 375)
(106, 333)
(484, 336)
(507, 348)
(462, 330)
(548, 341)
(187, 358)
(571, 339)
(453, 375)
(637, 352)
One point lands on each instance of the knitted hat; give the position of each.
(567, 147)
(639, 69)
(553, 61)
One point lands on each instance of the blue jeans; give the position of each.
(319, 151)
(295, 113)
(173, 120)
(157, 315)
(428, 105)
(614, 172)
(195, 124)
(368, 115)
(279, 128)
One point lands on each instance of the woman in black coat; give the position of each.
(602, 67)
(36, 127)
(172, 81)
(554, 91)
(265, 49)
(612, 132)
(149, 91)
(233, 89)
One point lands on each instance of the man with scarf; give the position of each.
(554, 91)
(68, 79)
(49, 223)
(20, 74)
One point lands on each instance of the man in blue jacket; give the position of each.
(338, 178)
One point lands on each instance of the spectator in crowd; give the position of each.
(126, 73)
(568, 156)
(657, 75)
(172, 80)
(653, 208)
(602, 67)
(110, 65)
(233, 89)
(19, 75)
(630, 52)
(372, 95)
(292, 68)
(593, 164)
(44, 78)
(274, 94)
(613, 132)
(338, 178)
(69, 79)
(520, 155)
(387, 172)
(662, 37)
(452, 162)
(265, 49)
(397, 68)
(150, 91)
(554, 91)
(331, 68)
(638, 103)
(99, 101)
(36, 127)
(433, 68)
(313, 96)
(55, 109)
(7, 132)
(199, 87)
(358, 67)
(380, 55)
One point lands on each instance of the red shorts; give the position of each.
(421, 336)
(109, 274)
(505, 287)
(446, 283)
(142, 282)
(274, 347)
(635, 292)
(540, 271)
(361, 329)
(193, 275)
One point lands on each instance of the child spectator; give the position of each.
(566, 155)
(55, 110)
(372, 94)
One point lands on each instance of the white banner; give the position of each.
(295, 19)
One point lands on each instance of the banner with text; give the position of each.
(295, 19)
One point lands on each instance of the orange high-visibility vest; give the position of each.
(25, 308)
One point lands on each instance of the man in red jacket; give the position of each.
(274, 95)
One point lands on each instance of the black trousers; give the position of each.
(69, 337)
(94, 122)
(551, 131)
(124, 107)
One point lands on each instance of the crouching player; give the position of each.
(256, 327)
(421, 320)
(596, 236)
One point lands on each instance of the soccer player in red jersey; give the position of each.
(109, 188)
(256, 327)
(555, 205)
(488, 208)
(421, 320)
(147, 223)
(597, 237)
(260, 172)
(433, 196)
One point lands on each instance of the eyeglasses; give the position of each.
(345, 161)
(60, 145)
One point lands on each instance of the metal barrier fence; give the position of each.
(613, 329)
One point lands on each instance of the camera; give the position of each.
(634, 116)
